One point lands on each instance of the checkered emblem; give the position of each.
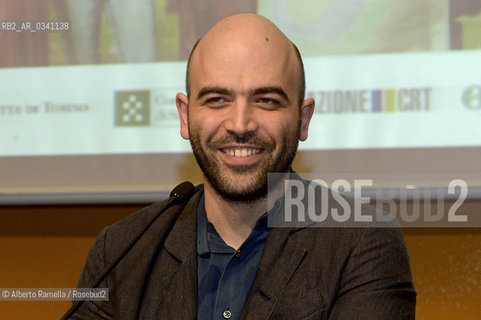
(132, 108)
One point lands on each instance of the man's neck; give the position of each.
(234, 220)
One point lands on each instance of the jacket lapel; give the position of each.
(181, 245)
(281, 257)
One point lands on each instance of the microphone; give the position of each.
(181, 193)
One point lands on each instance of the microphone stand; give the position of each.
(180, 193)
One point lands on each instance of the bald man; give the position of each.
(244, 114)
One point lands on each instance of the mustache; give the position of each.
(247, 138)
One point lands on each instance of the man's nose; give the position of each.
(242, 118)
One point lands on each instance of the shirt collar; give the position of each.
(207, 237)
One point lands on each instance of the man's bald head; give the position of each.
(248, 32)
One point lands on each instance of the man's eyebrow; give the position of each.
(276, 90)
(209, 90)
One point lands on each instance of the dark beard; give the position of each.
(256, 185)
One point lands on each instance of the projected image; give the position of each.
(107, 31)
(131, 24)
(465, 24)
(107, 71)
(23, 48)
(197, 17)
(362, 26)
(84, 80)
(74, 32)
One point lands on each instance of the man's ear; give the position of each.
(307, 110)
(182, 103)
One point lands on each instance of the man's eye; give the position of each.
(215, 100)
(268, 102)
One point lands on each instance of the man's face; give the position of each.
(243, 118)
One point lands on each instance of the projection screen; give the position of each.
(87, 95)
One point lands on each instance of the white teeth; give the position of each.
(241, 153)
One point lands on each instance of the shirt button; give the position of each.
(238, 254)
(227, 314)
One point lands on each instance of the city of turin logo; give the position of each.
(132, 108)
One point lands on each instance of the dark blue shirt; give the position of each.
(225, 275)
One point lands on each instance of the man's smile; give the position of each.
(241, 152)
